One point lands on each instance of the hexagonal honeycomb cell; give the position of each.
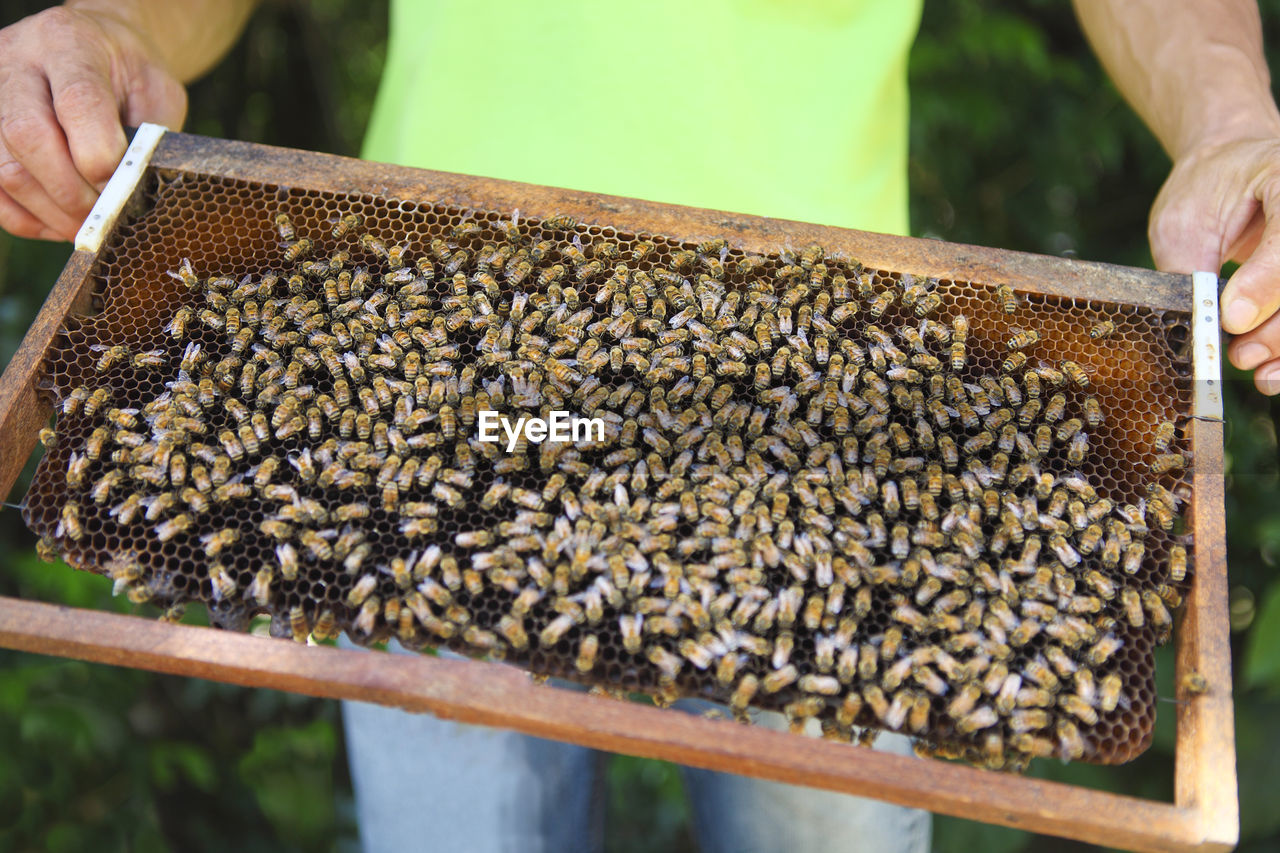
(886, 502)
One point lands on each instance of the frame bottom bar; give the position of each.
(496, 695)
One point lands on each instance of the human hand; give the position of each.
(69, 82)
(1222, 202)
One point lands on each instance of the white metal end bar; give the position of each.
(1206, 343)
(119, 189)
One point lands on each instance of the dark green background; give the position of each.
(1018, 141)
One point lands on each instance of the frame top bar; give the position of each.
(289, 168)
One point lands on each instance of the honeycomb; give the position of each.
(851, 494)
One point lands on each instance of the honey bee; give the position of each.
(260, 588)
(215, 543)
(1022, 339)
(1109, 692)
(221, 584)
(1132, 603)
(111, 357)
(298, 250)
(560, 222)
(346, 225)
(75, 400)
(1029, 720)
(882, 303)
(1164, 435)
(1078, 448)
(69, 522)
(1157, 613)
(326, 625)
(1193, 684)
(284, 227)
(982, 717)
(1070, 743)
(779, 679)
(1101, 651)
(1177, 563)
(1102, 329)
(1159, 511)
(186, 275)
(912, 291)
(174, 527)
(588, 649)
(1092, 411)
(1111, 551)
(1074, 373)
(1133, 554)
(180, 322)
(1166, 462)
(512, 630)
(668, 664)
(1007, 298)
(1088, 542)
(966, 699)
(1015, 362)
(366, 621)
(743, 693)
(928, 304)
(555, 631)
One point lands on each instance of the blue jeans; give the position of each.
(422, 783)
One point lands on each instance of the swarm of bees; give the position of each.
(807, 498)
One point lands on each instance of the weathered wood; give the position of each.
(929, 258)
(497, 695)
(1205, 757)
(1204, 816)
(22, 410)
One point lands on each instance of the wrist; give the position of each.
(1253, 129)
(111, 16)
(1213, 92)
(185, 39)
(128, 30)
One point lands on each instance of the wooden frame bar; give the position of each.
(1202, 817)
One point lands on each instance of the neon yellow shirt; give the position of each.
(795, 109)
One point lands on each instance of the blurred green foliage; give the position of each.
(1018, 141)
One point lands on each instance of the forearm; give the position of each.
(190, 36)
(1194, 70)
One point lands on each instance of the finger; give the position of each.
(1253, 293)
(19, 185)
(156, 97)
(18, 222)
(1247, 243)
(1251, 350)
(86, 108)
(30, 131)
(1267, 378)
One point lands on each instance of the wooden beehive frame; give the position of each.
(1203, 815)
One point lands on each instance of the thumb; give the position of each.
(1253, 293)
(155, 96)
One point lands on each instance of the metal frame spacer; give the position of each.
(1206, 341)
(119, 188)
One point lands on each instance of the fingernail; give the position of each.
(1252, 354)
(1239, 315)
(1269, 382)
